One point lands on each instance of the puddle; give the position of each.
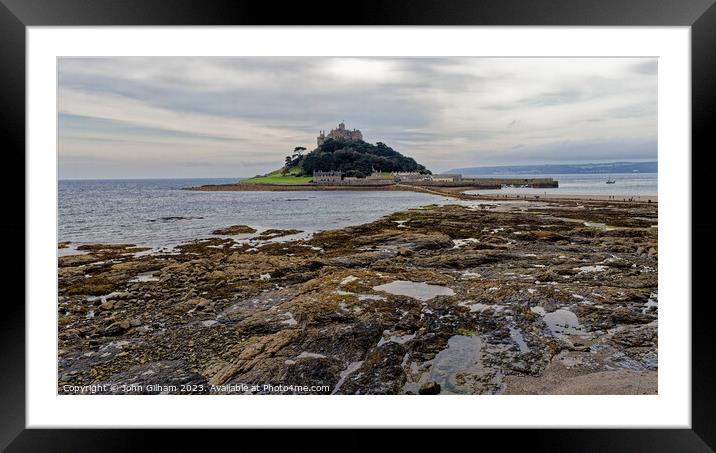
(649, 303)
(348, 279)
(312, 247)
(145, 277)
(519, 339)
(480, 307)
(461, 242)
(468, 274)
(599, 226)
(400, 339)
(563, 322)
(310, 355)
(104, 297)
(291, 321)
(350, 369)
(461, 357)
(416, 290)
(587, 269)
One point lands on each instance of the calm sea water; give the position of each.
(131, 211)
(136, 211)
(629, 184)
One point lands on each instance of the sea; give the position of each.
(157, 213)
(625, 184)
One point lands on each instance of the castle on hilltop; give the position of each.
(340, 133)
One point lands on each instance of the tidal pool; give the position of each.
(400, 339)
(351, 368)
(145, 277)
(649, 303)
(416, 290)
(563, 322)
(517, 337)
(461, 357)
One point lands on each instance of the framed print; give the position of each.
(237, 217)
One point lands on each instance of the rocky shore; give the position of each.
(522, 297)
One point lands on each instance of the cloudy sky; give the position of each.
(126, 117)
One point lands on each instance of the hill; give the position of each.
(353, 158)
(557, 169)
(279, 177)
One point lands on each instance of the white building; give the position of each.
(410, 176)
(326, 177)
(446, 178)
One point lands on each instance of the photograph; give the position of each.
(357, 225)
(241, 218)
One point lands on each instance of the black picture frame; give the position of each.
(700, 15)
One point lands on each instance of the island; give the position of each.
(342, 160)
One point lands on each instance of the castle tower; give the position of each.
(321, 138)
(339, 133)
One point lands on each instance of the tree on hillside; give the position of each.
(357, 158)
(293, 160)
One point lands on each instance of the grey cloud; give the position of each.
(554, 98)
(243, 113)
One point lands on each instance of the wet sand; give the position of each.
(616, 382)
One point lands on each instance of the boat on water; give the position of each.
(611, 181)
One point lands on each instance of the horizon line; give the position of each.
(448, 170)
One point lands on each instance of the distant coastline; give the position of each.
(557, 169)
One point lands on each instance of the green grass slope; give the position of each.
(275, 177)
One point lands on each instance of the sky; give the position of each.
(184, 117)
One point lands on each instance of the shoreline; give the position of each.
(448, 192)
(453, 192)
(492, 299)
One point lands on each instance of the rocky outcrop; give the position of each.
(234, 230)
(273, 234)
(447, 299)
